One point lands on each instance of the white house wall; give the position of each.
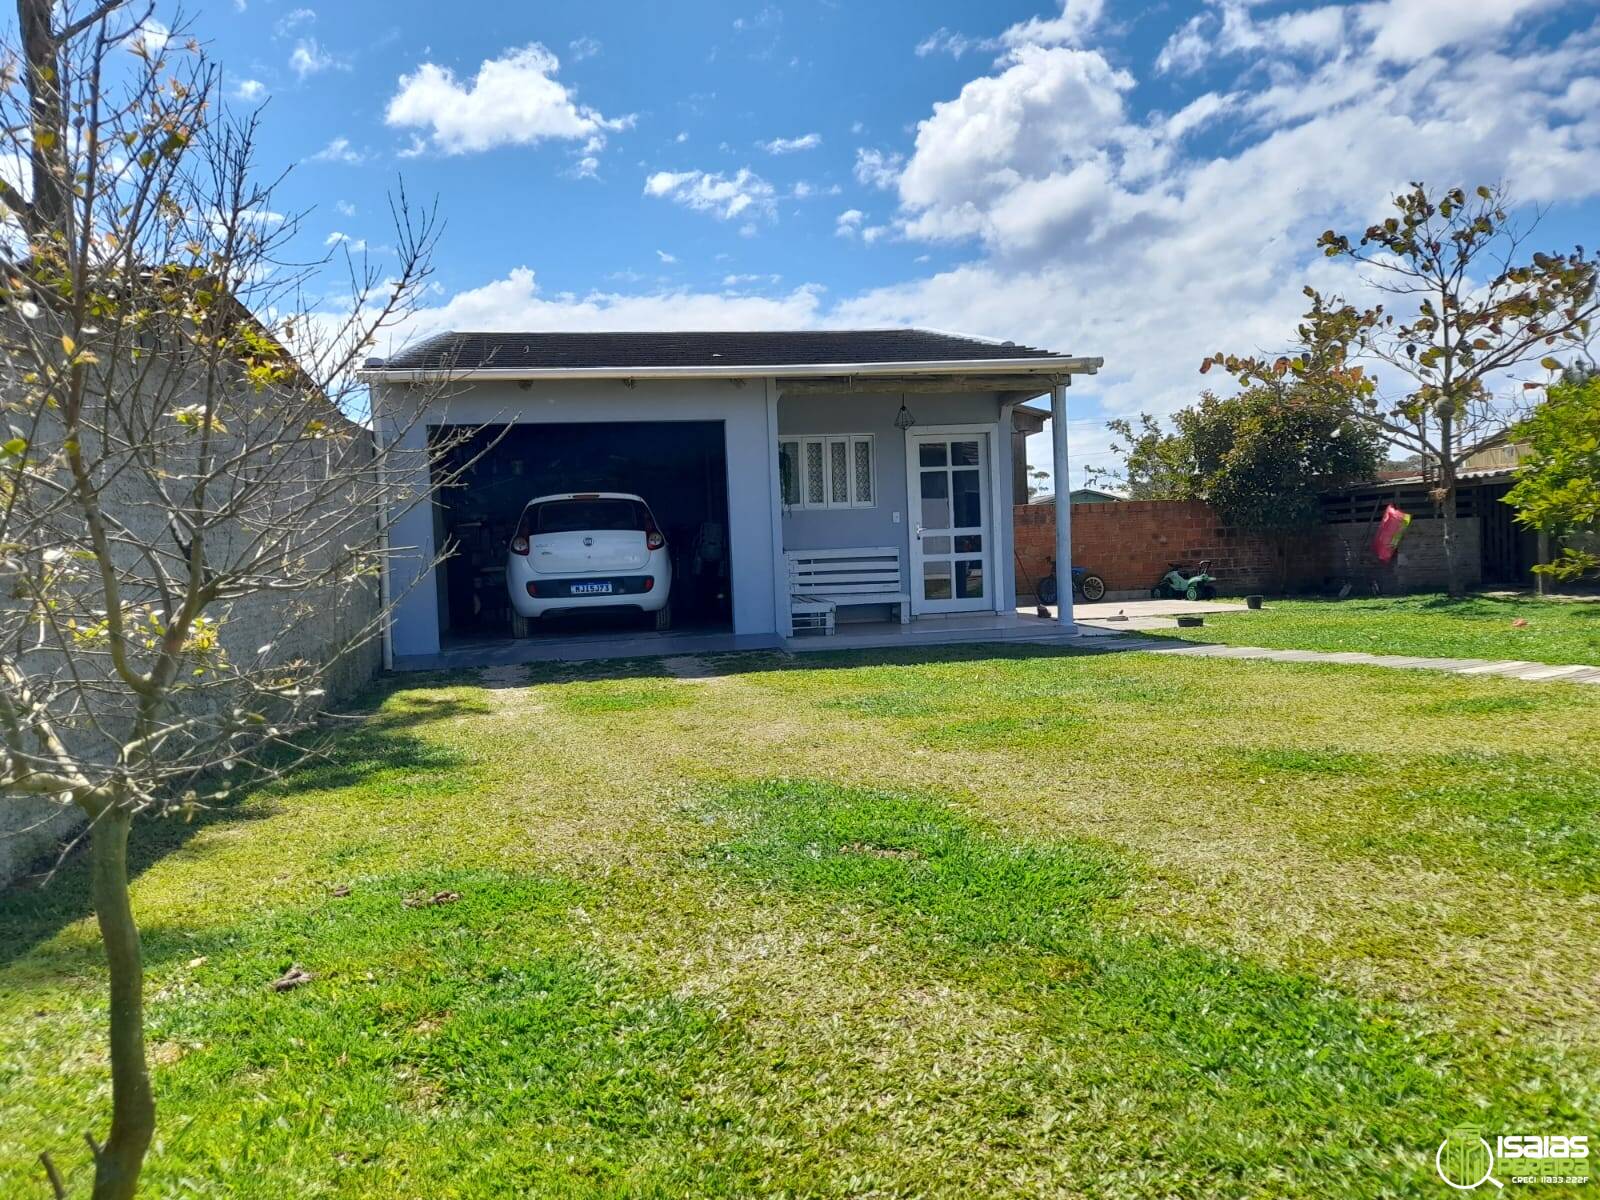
(751, 467)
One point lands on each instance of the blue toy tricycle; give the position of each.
(1090, 587)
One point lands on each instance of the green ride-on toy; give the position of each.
(1201, 585)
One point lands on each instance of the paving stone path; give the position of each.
(1511, 669)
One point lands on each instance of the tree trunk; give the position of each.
(1452, 572)
(133, 1108)
(42, 66)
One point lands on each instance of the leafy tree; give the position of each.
(1157, 464)
(1558, 485)
(181, 497)
(1262, 457)
(1471, 311)
(1266, 455)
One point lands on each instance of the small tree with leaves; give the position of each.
(1472, 310)
(1262, 458)
(1558, 484)
(183, 495)
(1157, 464)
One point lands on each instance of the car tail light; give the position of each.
(533, 590)
(519, 545)
(654, 539)
(649, 583)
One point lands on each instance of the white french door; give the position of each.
(951, 533)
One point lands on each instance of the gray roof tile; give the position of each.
(784, 348)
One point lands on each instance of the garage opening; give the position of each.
(679, 469)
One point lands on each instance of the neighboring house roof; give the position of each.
(808, 351)
(1050, 497)
(1465, 475)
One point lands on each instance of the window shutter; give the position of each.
(862, 449)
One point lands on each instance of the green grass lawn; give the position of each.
(961, 923)
(1557, 631)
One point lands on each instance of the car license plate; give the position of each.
(591, 589)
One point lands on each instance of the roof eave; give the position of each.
(992, 366)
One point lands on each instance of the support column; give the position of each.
(1062, 478)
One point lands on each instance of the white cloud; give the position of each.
(308, 57)
(945, 41)
(291, 21)
(741, 195)
(782, 145)
(1408, 30)
(878, 169)
(249, 90)
(1016, 151)
(848, 223)
(150, 38)
(515, 303)
(344, 208)
(339, 150)
(583, 47)
(1076, 21)
(683, 136)
(665, 257)
(354, 245)
(513, 100)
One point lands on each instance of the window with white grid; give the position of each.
(828, 471)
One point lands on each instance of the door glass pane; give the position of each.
(969, 579)
(931, 454)
(963, 454)
(936, 580)
(969, 543)
(969, 503)
(863, 451)
(789, 471)
(935, 500)
(814, 490)
(936, 545)
(839, 472)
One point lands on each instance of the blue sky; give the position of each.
(1138, 181)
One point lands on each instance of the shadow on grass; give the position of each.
(372, 738)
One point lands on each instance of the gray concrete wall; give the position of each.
(315, 629)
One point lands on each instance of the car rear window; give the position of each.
(569, 516)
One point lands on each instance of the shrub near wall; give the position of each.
(1131, 544)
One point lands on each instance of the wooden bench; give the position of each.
(861, 575)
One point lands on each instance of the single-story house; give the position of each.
(870, 470)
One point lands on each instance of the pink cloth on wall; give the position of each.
(1390, 530)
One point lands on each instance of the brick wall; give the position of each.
(1131, 543)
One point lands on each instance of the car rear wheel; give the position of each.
(664, 617)
(521, 627)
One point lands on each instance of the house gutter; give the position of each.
(985, 366)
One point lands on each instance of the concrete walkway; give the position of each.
(1510, 669)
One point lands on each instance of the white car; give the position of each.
(587, 551)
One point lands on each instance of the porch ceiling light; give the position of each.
(903, 419)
